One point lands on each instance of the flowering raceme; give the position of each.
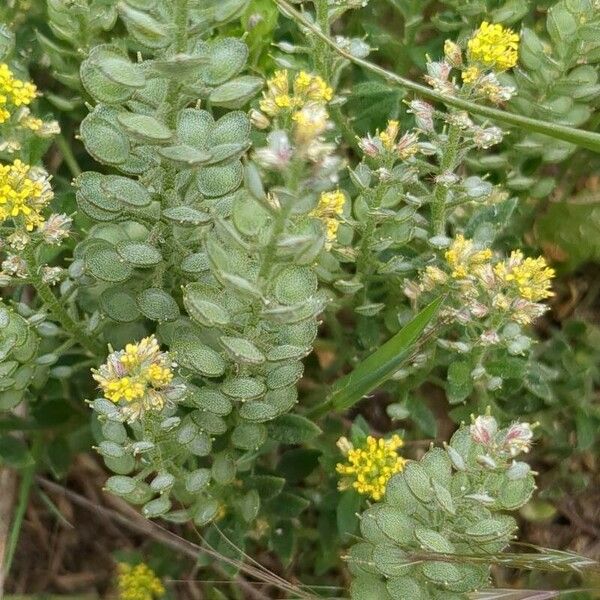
(532, 276)
(494, 46)
(369, 467)
(138, 582)
(140, 376)
(515, 285)
(13, 92)
(464, 259)
(329, 210)
(307, 88)
(386, 142)
(24, 192)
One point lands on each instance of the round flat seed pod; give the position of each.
(105, 264)
(195, 264)
(119, 305)
(139, 254)
(194, 127)
(157, 305)
(219, 180)
(185, 216)
(295, 284)
(226, 58)
(192, 354)
(89, 185)
(180, 65)
(284, 375)
(98, 85)
(248, 216)
(125, 190)
(243, 350)
(212, 401)
(249, 436)
(237, 92)
(145, 128)
(244, 388)
(204, 307)
(232, 128)
(120, 70)
(185, 156)
(104, 141)
(257, 412)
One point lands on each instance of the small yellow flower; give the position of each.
(138, 582)
(464, 259)
(139, 375)
(532, 276)
(453, 53)
(312, 88)
(24, 192)
(471, 74)
(389, 134)
(369, 468)
(309, 123)
(307, 89)
(494, 46)
(13, 92)
(329, 210)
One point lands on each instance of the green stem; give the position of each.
(280, 222)
(68, 156)
(580, 137)
(322, 53)
(22, 502)
(348, 133)
(440, 192)
(54, 305)
(362, 259)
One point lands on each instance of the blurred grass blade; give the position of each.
(580, 137)
(379, 366)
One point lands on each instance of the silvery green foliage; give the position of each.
(224, 271)
(18, 348)
(451, 502)
(559, 77)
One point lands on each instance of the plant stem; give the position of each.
(54, 305)
(27, 476)
(322, 52)
(580, 137)
(68, 156)
(440, 192)
(363, 257)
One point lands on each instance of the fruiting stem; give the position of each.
(54, 305)
(440, 193)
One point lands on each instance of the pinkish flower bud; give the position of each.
(518, 438)
(484, 429)
(370, 146)
(423, 113)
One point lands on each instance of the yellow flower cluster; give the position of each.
(24, 192)
(305, 103)
(307, 88)
(515, 285)
(138, 582)
(329, 209)
(368, 468)
(532, 276)
(464, 259)
(386, 141)
(13, 92)
(493, 46)
(138, 375)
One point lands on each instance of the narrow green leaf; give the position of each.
(378, 366)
